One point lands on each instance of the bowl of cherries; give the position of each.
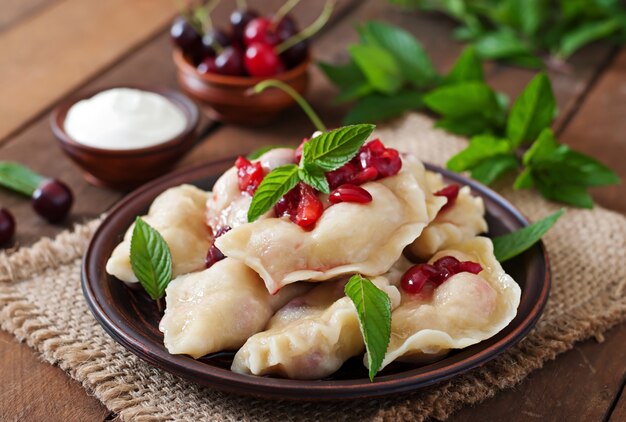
(219, 66)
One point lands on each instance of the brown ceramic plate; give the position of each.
(131, 318)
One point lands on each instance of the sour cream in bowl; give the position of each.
(124, 136)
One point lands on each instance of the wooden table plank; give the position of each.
(47, 56)
(599, 126)
(13, 11)
(619, 411)
(35, 391)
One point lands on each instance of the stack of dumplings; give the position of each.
(278, 300)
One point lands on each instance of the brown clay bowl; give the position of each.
(127, 169)
(131, 318)
(228, 99)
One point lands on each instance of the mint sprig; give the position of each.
(19, 178)
(150, 259)
(326, 152)
(512, 244)
(373, 308)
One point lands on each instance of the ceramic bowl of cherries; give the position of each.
(219, 66)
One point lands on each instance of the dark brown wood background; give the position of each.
(50, 49)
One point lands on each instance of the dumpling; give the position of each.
(464, 310)
(310, 337)
(178, 215)
(348, 238)
(227, 205)
(464, 220)
(218, 308)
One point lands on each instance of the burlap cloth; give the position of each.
(42, 304)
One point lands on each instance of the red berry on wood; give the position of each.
(7, 226)
(52, 200)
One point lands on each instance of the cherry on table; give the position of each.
(261, 60)
(239, 19)
(52, 200)
(260, 30)
(230, 62)
(7, 226)
(184, 36)
(213, 41)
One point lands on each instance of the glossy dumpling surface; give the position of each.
(227, 205)
(218, 308)
(462, 311)
(178, 214)
(348, 238)
(310, 337)
(464, 220)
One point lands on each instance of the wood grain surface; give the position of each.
(582, 384)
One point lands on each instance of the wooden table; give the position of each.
(50, 49)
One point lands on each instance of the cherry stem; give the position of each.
(242, 4)
(284, 9)
(310, 30)
(203, 15)
(306, 107)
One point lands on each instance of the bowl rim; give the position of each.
(319, 390)
(180, 100)
(236, 81)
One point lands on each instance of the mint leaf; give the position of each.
(333, 149)
(414, 63)
(19, 178)
(468, 67)
(257, 153)
(378, 66)
(501, 44)
(314, 177)
(373, 308)
(524, 180)
(492, 168)
(512, 244)
(480, 148)
(274, 185)
(466, 126)
(150, 259)
(533, 111)
(543, 148)
(568, 194)
(462, 99)
(587, 33)
(349, 79)
(378, 107)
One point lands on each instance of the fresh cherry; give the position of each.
(286, 28)
(214, 254)
(207, 66)
(250, 175)
(185, 37)
(451, 192)
(230, 62)
(350, 193)
(260, 30)
(52, 200)
(239, 19)
(213, 41)
(7, 226)
(261, 60)
(295, 55)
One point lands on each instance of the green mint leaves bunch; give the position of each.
(519, 31)
(557, 172)
(324, 153)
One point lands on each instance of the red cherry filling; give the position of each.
(214, 254)
(301, 205)
(373, 161)
(414, 280)
(350, 193)
(450, 192)
(250, 175)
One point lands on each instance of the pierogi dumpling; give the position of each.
(178, 215)
(464, 220)
(464, 310)
(219, 308)
(348, 238)
(310, 337)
